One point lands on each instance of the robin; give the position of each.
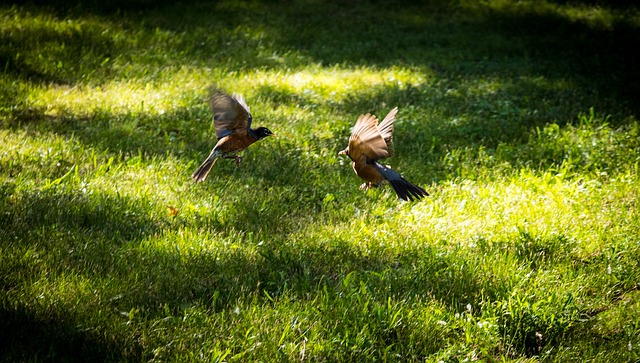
(232, 121)
(370, 142)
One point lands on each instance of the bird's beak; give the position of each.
(343, 152)
(274, 135)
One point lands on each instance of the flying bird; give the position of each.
(232, 122)
(370, 142)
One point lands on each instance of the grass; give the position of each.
(519, 117)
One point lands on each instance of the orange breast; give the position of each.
(367, 172)
(234, 143)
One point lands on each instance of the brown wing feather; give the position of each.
(366, 139)
(386, 130)
(229, 115)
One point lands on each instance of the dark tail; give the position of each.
(403, 188)
(203, 170)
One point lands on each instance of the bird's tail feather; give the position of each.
(406, 190)
(203, 170)
(403, 188)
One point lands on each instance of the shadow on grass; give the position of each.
(42, 52)
(53, 234)
(599, 58)
(73, 227)
(26, 337)
(105, 8)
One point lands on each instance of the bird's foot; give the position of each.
(365, 186)
(237, 158)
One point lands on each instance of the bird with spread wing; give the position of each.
(232, 122)
(370, 142)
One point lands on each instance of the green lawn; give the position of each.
(519, 117)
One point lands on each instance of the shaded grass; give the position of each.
(527, 141)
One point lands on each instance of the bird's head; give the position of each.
(345, 152)
(262, 132)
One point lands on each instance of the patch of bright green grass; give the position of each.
(512, 116)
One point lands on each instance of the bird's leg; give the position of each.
(237, 158)
(369, 185)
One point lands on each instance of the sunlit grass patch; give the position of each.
(180, 88)
(507, 210)
(336, 83)
(543, 206)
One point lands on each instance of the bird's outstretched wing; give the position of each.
(230, 114)
(366, 140)
(386, 130)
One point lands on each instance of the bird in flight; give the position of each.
(232, 122)
(370, 142)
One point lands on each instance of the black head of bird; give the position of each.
(232, 122)
(262, 132)
(370, 142)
